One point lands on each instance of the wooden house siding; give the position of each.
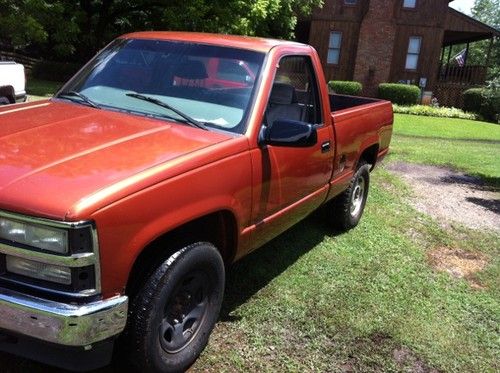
(426, 21)
(375, 37)
(320, 31)
(456, 21)
(427, 13)
(428, 59)
(337, 10)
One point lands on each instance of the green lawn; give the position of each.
(470, 146)
(41, 89)
(367, 300)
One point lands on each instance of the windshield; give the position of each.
(211, 84)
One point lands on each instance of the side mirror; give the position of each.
(292, 133)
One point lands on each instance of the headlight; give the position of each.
(49, 257)
(45, 238)
(41, 271)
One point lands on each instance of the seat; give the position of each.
(283, 104)
(190, 73)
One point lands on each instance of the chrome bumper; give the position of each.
(61, 323)
(22, 97)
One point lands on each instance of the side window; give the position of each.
(295, 94)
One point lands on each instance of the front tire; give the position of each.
(4, 100)
(348, 207)
(174, 312)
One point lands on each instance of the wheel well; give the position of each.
(218, 228)
(7, 91)
(369, 155)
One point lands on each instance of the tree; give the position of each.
(48, 27)
(18, 26)
(78, 28)
(487, 11)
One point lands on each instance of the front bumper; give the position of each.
(62, 323)
(21, 97)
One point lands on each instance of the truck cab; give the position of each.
(124, 198)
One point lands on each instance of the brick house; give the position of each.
(375, 41)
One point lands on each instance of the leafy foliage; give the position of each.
(472, 99)
(487, 12)
(39, 25)
(345, 87)
(78, 28)
(55, 71)
(490, 108)
(401, 94)
(430, 111)
(484, 101)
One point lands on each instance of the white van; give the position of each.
(12, 83)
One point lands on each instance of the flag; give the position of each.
(460, 57)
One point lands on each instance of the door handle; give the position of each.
(325, 147)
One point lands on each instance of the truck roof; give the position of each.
(235, 41)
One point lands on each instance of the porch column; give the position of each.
(488, 53)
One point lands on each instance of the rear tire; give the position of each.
(4, 100)
(347, 208)
(174, 312)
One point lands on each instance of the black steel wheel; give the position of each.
(185, 311)
(347, 208)
(172, 315)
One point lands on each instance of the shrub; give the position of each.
(484, 101)
(344, 87)
(401, 94)
(490, 106)
(430, 111)
(54, 71)
(473, 99)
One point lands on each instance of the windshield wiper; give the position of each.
(87, 100)
(161, 103)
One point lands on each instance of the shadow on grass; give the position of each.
(490, 181)
(252, 273)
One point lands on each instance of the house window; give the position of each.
(350, 2)
(334, 48)
(413, 52)
(409, 3)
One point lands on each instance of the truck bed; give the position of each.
(342, 102)
(359, 122)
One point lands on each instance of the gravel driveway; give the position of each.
(451, 196)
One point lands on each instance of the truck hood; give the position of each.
(53, 155)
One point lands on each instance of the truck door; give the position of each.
(294, 180)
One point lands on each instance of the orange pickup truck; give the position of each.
(125, 196)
